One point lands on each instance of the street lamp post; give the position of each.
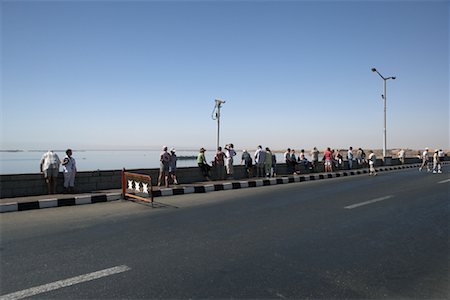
(384, 101)
(216, 116)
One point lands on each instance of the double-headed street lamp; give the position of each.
(384, 100)
(216, 116)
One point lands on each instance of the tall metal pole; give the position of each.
(384, 102)
(218, 126)
(216, 116)
(384, 129)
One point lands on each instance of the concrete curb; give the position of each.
(205, 188)
(211, 187)
(54, 202)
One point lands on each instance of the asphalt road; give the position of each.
(384, 237)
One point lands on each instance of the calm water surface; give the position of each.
(28, 161)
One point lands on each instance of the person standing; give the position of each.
(229, 154)
(315, 159)
(219, 163)
(248, 162)
(260, 158)
(268, 162)
(164, 160)
(401, 156)
(359, 157)
(294, 162)
(372, 161)
(49, 166)
(350, 157)
(425, 160)
(327, 157)
(203, 164)
(274, 165)
(288, 161)
(173, 166)
(338, 159)
(69, 171)
(437, 168)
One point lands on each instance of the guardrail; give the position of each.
(137, 186)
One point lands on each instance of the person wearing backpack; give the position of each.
(229, 154)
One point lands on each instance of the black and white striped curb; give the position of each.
(48, 203)
(204, 188)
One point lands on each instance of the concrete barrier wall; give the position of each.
(21, 185)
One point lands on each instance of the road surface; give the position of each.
(384, 237)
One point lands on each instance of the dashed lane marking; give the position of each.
(368, 202)
(444, 181)
(64, 283)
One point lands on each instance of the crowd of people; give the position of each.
(431, 162)
(261, 163)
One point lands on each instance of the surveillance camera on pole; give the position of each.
(216, 116)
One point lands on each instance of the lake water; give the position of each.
(28, 161)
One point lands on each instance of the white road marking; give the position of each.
(444, 181)
(64, 283)
(368, 202)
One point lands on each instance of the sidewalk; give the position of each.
(58, 200)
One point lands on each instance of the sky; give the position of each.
(143, 74)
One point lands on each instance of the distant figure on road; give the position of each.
(350, 157)
(425, 160)
(219, 163)
(436, 162)
(248, 162)
(69, 171)
(50, 168)
(372, 161)
(229, 154)
(314, 159)
(203, 165)
(164, 160)
(260, 158)
(401, 156)
(173, 166)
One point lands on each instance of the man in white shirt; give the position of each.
(425, 160)
(401, 156)
(50, 168)
(69, 171)
(350, 157)
(229, 154)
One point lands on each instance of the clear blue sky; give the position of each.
(142, 74)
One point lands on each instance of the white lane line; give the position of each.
(444, 181)
(64, 283)
(368, 202)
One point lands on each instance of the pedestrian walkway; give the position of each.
(58, 200)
